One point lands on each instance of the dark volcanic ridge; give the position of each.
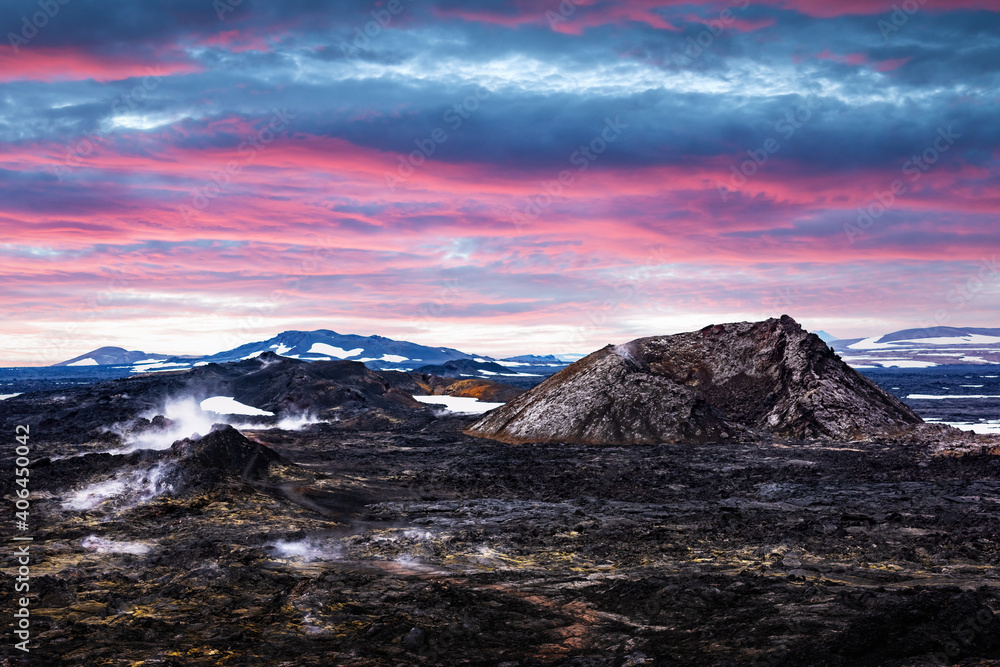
(119, 413)
(724, 382)
(223, 458)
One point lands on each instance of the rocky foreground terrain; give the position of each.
(384, 535)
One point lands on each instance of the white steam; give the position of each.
(297, 422)
(188, 419)
(624, 351)
(105, 546)
(307, 550)
(130, 489)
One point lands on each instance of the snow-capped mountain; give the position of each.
(112, 356)
(376, 352)
(324, 345)
(922, 348)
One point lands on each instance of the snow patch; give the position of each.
(159, 365)
(937, 397)
(872, 344)
(85, 362)
(905, 363)
(227, 405)
(461, 405)
(4, 397)
(967, 339)
(991, 427)
(334, 351)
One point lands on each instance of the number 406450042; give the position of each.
(21, 471)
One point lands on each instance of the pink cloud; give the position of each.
(825, 9)
(293, 188)
(47, 64)
(848, 59)
(892, 64)
(592, 13)
(238, 42)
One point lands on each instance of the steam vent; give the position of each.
(724, 382)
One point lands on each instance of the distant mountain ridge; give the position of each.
(327, 345)
(908, 348)
(938, 332)
(376, 352)
(922, 348)
(111, 356)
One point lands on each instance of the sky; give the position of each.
(500, 176)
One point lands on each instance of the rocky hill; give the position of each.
(724, 382)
